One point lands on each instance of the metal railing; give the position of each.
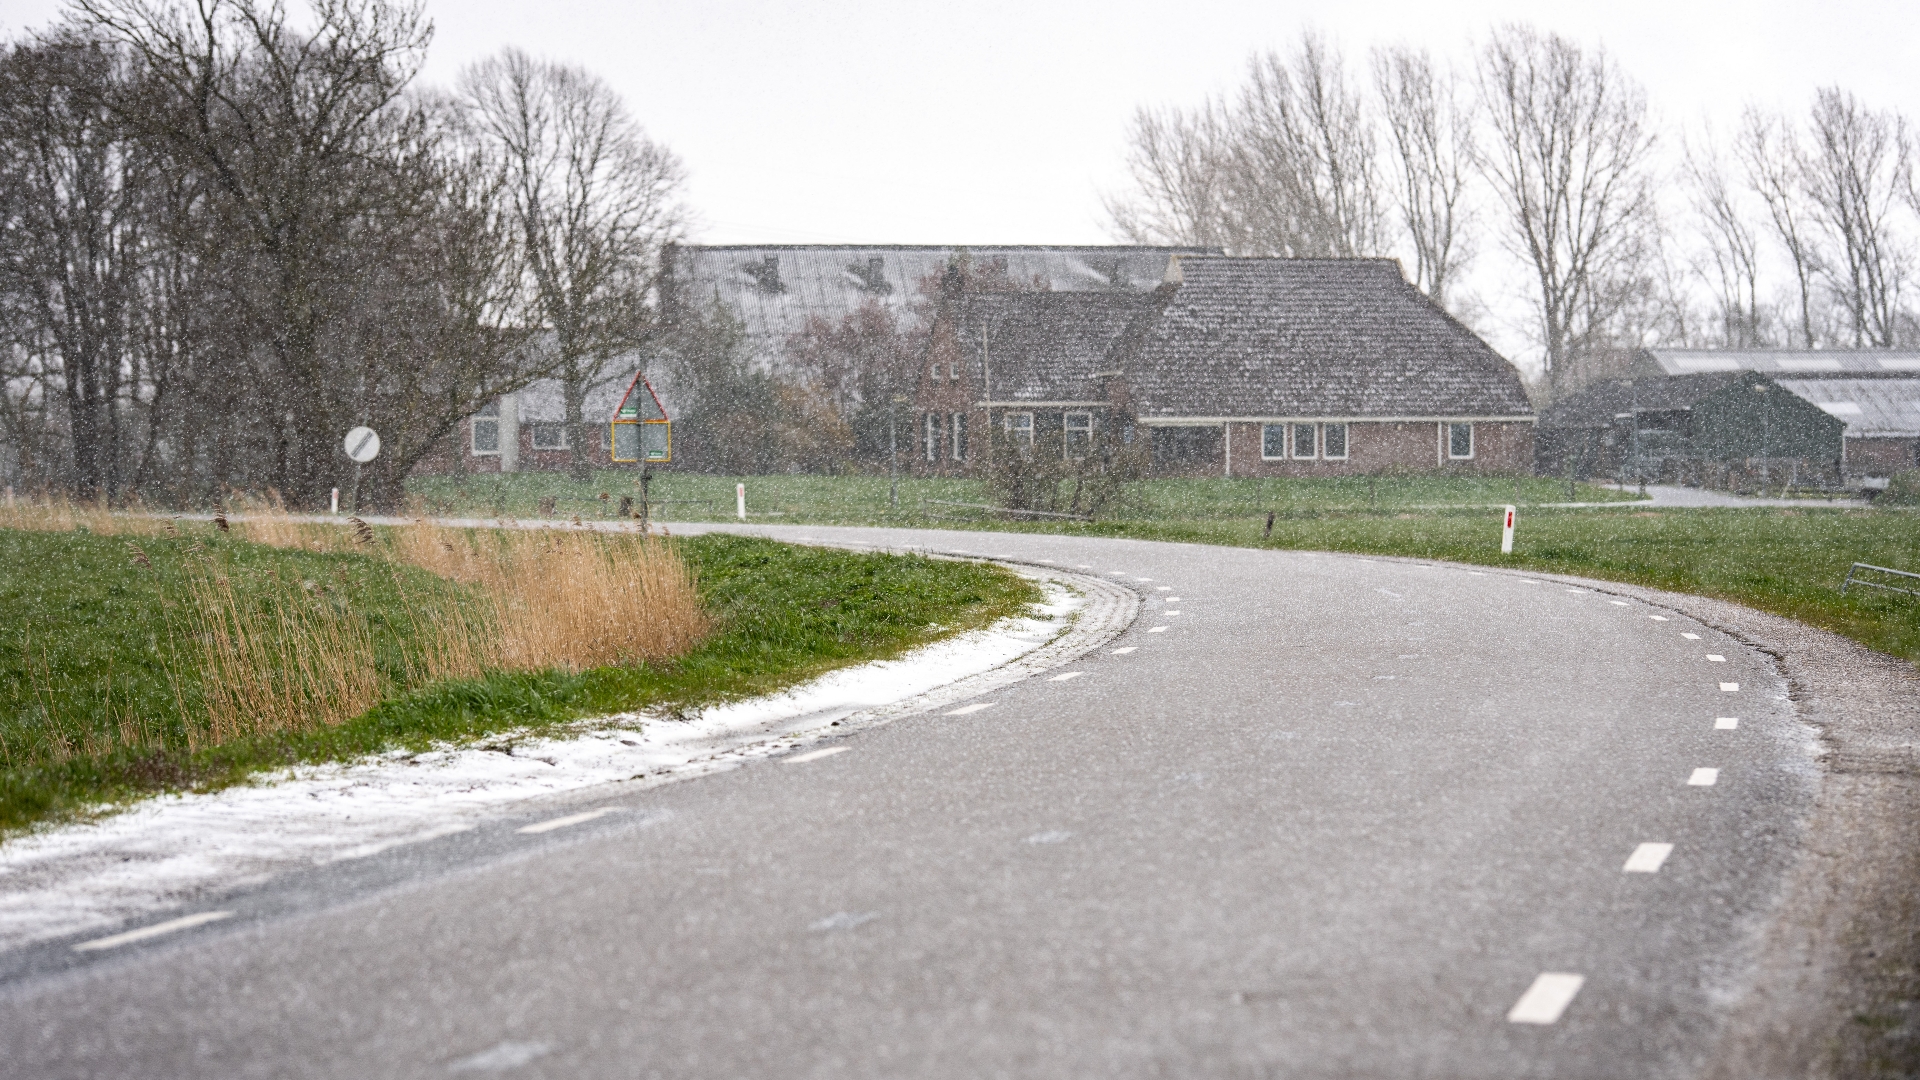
(1859, 566)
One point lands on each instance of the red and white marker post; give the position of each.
(1506, 533)
(740, 500)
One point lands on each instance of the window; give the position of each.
(1459, 441)
(1333, 442)
(933, 436)
(486, 429)
(1020, 428)
(1273, 441)
(959, 436)
(1077, 434)
(1303, 441)
(550, 436)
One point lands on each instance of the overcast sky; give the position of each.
(990, 122)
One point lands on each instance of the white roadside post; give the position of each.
(336, 500)
(1506, 534)
(740, 500)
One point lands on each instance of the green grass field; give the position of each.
(1787, 561)
(91, 643)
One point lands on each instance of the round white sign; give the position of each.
(362, 444)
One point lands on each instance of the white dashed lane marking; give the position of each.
(1704, 778)
(1716, 658)
(1546, 999)
(1658, 618)
(1646, 858)
(1125, 651)
(563, 822)
(1725, 723)
(1163, 588)
(974, 708)
(1690, 637)
(185, 922)
(1730, 687)
(1156, 630)
(815, 755)
(1619, 603)
(1064, 676)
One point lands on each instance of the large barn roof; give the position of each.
(1250, 338)
(775, 288)
(1884, 408)
(1780, 362)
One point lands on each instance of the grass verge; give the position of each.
(101, 683)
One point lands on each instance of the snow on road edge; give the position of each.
(166, 851)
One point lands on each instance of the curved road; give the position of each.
(1311, 816)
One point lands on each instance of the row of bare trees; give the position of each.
(232, 233)
(1796, 233)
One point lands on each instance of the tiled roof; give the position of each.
(1045, 346)
(1312, 337)
(1870, 407)
(1599, 404)
(1783, 362)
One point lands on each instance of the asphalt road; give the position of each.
(1311, 816)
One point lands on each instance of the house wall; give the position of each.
(1372, 447)
(1881, 456)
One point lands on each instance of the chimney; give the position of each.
(1174, 275)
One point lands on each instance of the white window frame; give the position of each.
(1313, 442)
(488, 416)
(1022, 430)
(1346, 434)
(1266, 432)
(932, 437)
(959, 433)
(1068, 430)
(1446, 436)
(566, 443)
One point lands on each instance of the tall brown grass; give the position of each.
(264, 520)
(296, 659)
(559, 599)
(65, 515)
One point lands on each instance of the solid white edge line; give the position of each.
(1546, 999)
(815, 755)
(185, 922)
(1647, 858)
(562, 822)
(1725, 723)
(1064, 676)
(974, 708)
(1704, 778)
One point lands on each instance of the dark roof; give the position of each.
(1599, 404)
(1312, 337)
(1045, 346)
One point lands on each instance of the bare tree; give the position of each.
(1569, 158)
(1288, 167)
(75, 241)
(1860, 164)
(595, 200)
(1732, 262)
(1432, 131)
(290, 124)
(1774, 163)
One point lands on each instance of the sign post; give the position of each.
(1506, 533)
(362, 445)
(641, 432)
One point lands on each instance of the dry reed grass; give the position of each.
(299, 659)
(569, 600)
(264, 520)
(65, 515)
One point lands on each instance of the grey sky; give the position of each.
(995, 122)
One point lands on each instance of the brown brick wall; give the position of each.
(1881, 457)
(1502, 447)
